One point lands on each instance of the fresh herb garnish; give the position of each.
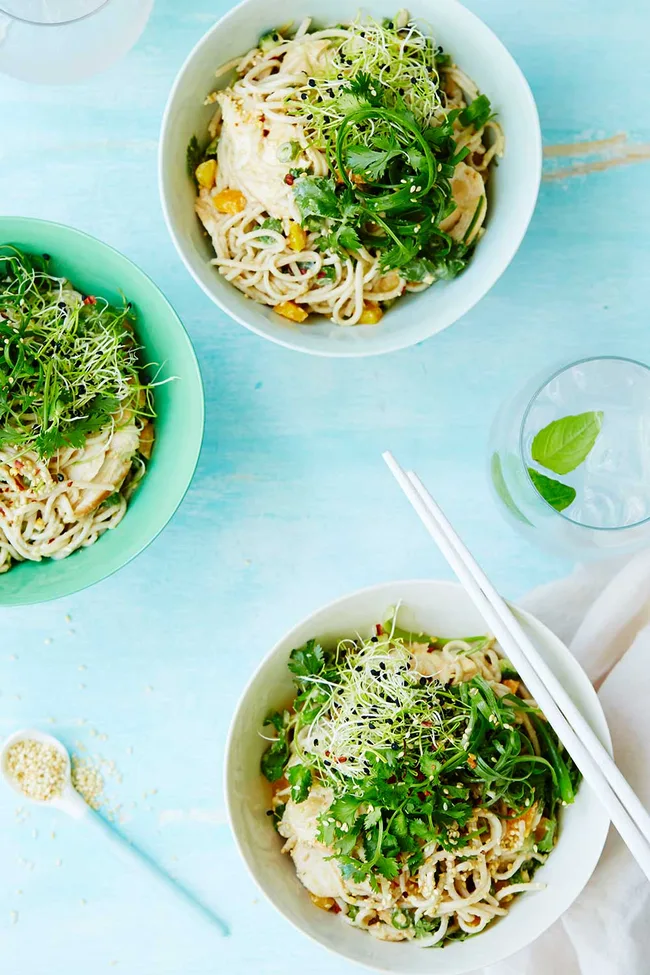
(276, 755)
(409, 760)
(69, 366)
(558, 495)
(565, 443)
(271, 223)
(380, 119)
(193, 156)
(477, 112)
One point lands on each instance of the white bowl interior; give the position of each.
(436, 607)
(512, 190)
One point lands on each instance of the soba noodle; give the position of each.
(247, 204)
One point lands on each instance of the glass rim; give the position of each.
(526, 413)
(52, 23)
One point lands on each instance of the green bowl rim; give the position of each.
(36, 221)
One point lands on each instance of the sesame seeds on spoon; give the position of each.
(37, 766)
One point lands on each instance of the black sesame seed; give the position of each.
(269, 812)
(304, 96)
(46, 257)
(315, 741)
(358, 667)
(374, 639)
(382, 666)
(62, 304)
(423, 681)
(375, 673)
(312, 83)
(60, 477)
(310, 117)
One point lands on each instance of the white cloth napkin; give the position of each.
(602, 612)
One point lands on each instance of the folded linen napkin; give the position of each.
(602, 612)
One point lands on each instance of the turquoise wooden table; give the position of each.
(291, 505)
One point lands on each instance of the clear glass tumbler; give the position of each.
(570, 458)
(61, 41)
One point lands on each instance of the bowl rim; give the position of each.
(37, 222)
(244, 694)
(397, 342)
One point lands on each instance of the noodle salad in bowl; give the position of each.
(355, 178)
(343, 167)
(394, 788)
(102, 411)
(77, 414)
(416, 784)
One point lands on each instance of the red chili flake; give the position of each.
(379, 629)
(419, 776)
(69, 484)
(303, 270)
(321, 274)
(18, 464)
(289, 179)
(327, 754)
(51, 540)
(426, 724)
(266, 133)
(19, 483)
(90, 300)
(343, 758)
(335, 908)
(392, 780)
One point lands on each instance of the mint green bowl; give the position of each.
(96, 268)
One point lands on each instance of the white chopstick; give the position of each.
(599, 770)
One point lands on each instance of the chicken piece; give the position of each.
(248, 156)
(300, 819)
(147, 437)
(110, 476)
(316, 872)
(468, 191)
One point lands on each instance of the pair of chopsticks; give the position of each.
(599, 770)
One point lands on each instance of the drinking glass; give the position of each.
(60, 41)
(610, 511)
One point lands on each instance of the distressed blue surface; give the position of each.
(291, 505)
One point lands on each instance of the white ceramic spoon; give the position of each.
(72, 803)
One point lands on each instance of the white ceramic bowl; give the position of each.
(441, 607)
(513, 186)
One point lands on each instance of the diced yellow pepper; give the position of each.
(371, 313)
(206, 174)
(297, 237)
(292, 311)
(229, 201)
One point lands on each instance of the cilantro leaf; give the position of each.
(307, 660)
(316, 196)
(370, 162)
(271, 223)
(299, 777)
(371, 818)
(387, 867)
(365, 89)
(419, 269)
(276, 755)
(348, 238)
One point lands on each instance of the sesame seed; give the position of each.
(39, 769)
